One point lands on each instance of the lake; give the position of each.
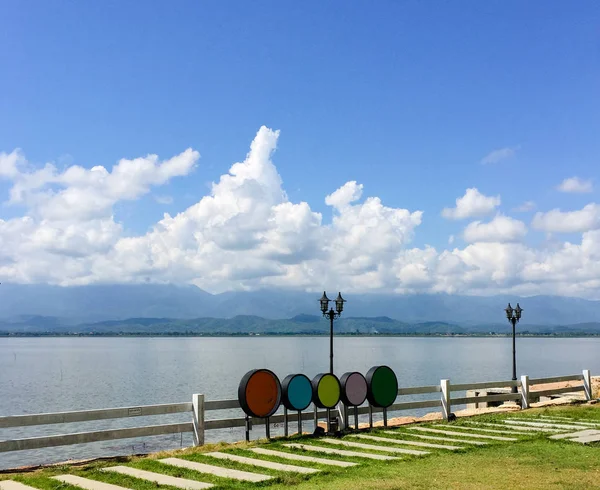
(39, 375)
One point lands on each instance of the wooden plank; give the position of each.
(518, 428)
(541, 424)
(556, 379)
(413, 405)
(241, 421)
(216, 470)
(159, 478)
(261, 463)
(339, 452)
(86, 483)
(556, 391)
(508, 430)
(85, 437)
(298, 457)
(221, 404)
(417, 390)
(484, 384)
(85, 415)
(489, 398)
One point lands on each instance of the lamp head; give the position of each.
(324, 303)
(509, 311)
(339, 303)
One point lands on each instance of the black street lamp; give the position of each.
(331, 314)
(513, 317)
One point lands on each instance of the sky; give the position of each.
(401, 146)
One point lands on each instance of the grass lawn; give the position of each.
(534, 461)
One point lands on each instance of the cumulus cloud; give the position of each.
(473, 204)
(576, 185)
(246, 234)
(500, 229)
(498, 155)
(525, 207)
(557, 221)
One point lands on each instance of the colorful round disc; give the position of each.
(297, 392)
(326, 390)
(259, 393)
(382, 386)
(354, 389)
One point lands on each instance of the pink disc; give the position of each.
(355, 389)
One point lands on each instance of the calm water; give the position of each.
(40, 375)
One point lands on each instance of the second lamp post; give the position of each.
(331, 314)
(513, 317)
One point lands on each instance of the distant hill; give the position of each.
(100, 303)
(298, 325)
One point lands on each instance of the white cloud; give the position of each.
(525, 207)
(500, 229)
(163, 199)
(576, 185)
(498, 155)
(246, 234)
(557, 221)
(473, 204)
(450, 239)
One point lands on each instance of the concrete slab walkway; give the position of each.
(372, 447)
(298, 457)
(216, 470)
(407, 443)
(14, 485)
(86, 483)
(159, 478)
(339, 452)
(441, 438)
(462, 434)
(262, 463)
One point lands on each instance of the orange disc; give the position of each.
(262, 393)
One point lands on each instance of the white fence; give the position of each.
(199, 406)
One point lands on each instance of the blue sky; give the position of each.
(406, 98)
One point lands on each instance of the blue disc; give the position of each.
(297, 392)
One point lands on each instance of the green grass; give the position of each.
(532, 462)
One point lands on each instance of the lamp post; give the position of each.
(331, 314)
(514, 315)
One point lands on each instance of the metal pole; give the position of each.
(268, 428)
(285, 422)
(370, 416)
(385, 417)
(248, 428)
(331, 314)
(300, 423)
(355, 418)
(328, 421)
(514, 375)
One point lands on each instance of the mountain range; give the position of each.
(86, 305)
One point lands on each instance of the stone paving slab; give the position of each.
(339, 452)
(462, 434)
(159, 478)
(588, 439)
(215, 470)
(541, 424)
(408, 443)
(384, 449)
(298, 457)
(566, 420)
(87, 483)
(262, 463)
(516, 428)
(440, 438)
(508, 430)
(581, 433)
(14, 485)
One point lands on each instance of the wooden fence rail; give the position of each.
(199, 406)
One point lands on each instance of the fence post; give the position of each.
(446, 406)
(524, 391)
(587, 384)
(198, 419)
